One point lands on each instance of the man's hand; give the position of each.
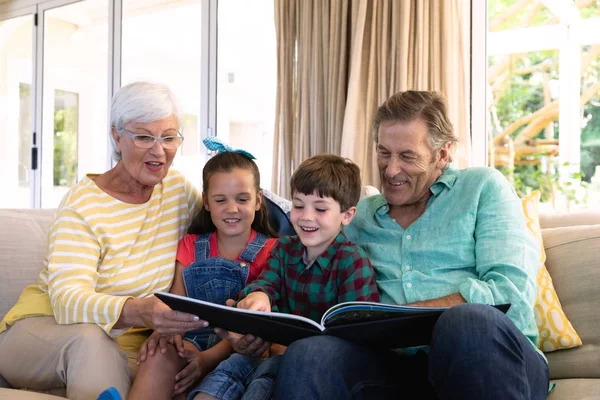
(257, 301)
(191, 373)
(447, 301)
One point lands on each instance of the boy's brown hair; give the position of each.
(329, 176)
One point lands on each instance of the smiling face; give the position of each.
(146, 166)
(317, 221)
(406, 164)
(232, 201)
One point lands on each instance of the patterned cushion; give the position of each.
(279, 213)
(556, 331)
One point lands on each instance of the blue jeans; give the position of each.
(240, 377)
(476, 353)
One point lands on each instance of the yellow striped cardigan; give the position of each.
(102, 251)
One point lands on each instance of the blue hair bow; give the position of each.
(215, 144)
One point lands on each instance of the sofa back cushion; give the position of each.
(572, 218)
(23, 243)
(572, 261)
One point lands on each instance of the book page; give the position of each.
(362, 311)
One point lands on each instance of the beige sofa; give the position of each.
(572, 244)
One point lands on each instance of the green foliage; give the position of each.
(497, 7)
(591, 10)
(65, 146)
(527, 178)
(523, 94)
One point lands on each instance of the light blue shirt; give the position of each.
(471, 239)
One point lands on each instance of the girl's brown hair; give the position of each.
(226, 162)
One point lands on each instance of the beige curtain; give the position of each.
(339, 59)
(312, 69)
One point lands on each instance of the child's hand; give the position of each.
(148, 348)
(277, 349)
(257, 301)
(191, 373)
(249, 345)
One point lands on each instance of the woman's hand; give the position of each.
(153, 313)
(148, 348)
(191, 373)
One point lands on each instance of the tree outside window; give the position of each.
(66, 120)
(525, 89)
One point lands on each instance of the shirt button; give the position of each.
(409, 285)
(408, 237)
(407, 267)
(243, 264)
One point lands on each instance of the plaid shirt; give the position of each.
(341, 273)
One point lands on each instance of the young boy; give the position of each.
(307, 273)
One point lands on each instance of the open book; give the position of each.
(367, 323)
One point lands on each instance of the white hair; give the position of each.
(143, 102)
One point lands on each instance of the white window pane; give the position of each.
(247, 79)
(74, 104)
(16, 60)
(162, 43)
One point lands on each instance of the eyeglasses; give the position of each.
(147, 141)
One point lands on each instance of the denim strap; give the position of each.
(254, 247)
(202, 247)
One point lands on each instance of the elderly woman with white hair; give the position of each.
(111, 246)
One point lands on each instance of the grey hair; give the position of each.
(144, 102)
(412, 104)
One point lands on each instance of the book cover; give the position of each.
(366, 323)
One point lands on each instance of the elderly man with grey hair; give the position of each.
(437, 236)
(111, 246)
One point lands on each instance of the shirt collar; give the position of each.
(447, 179)
(324, 260)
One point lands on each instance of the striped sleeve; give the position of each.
(73, 258)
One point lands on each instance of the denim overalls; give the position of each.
(216, 279)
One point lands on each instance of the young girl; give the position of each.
(227, 244)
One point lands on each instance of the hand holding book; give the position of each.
(246, 344)
(367, 323)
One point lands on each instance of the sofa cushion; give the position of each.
(12, 394)
(581, 389)
(23, 239)
(573, 218)
(572, 261)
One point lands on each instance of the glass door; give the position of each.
(161, 42)
(16, 110)
(74, 96)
